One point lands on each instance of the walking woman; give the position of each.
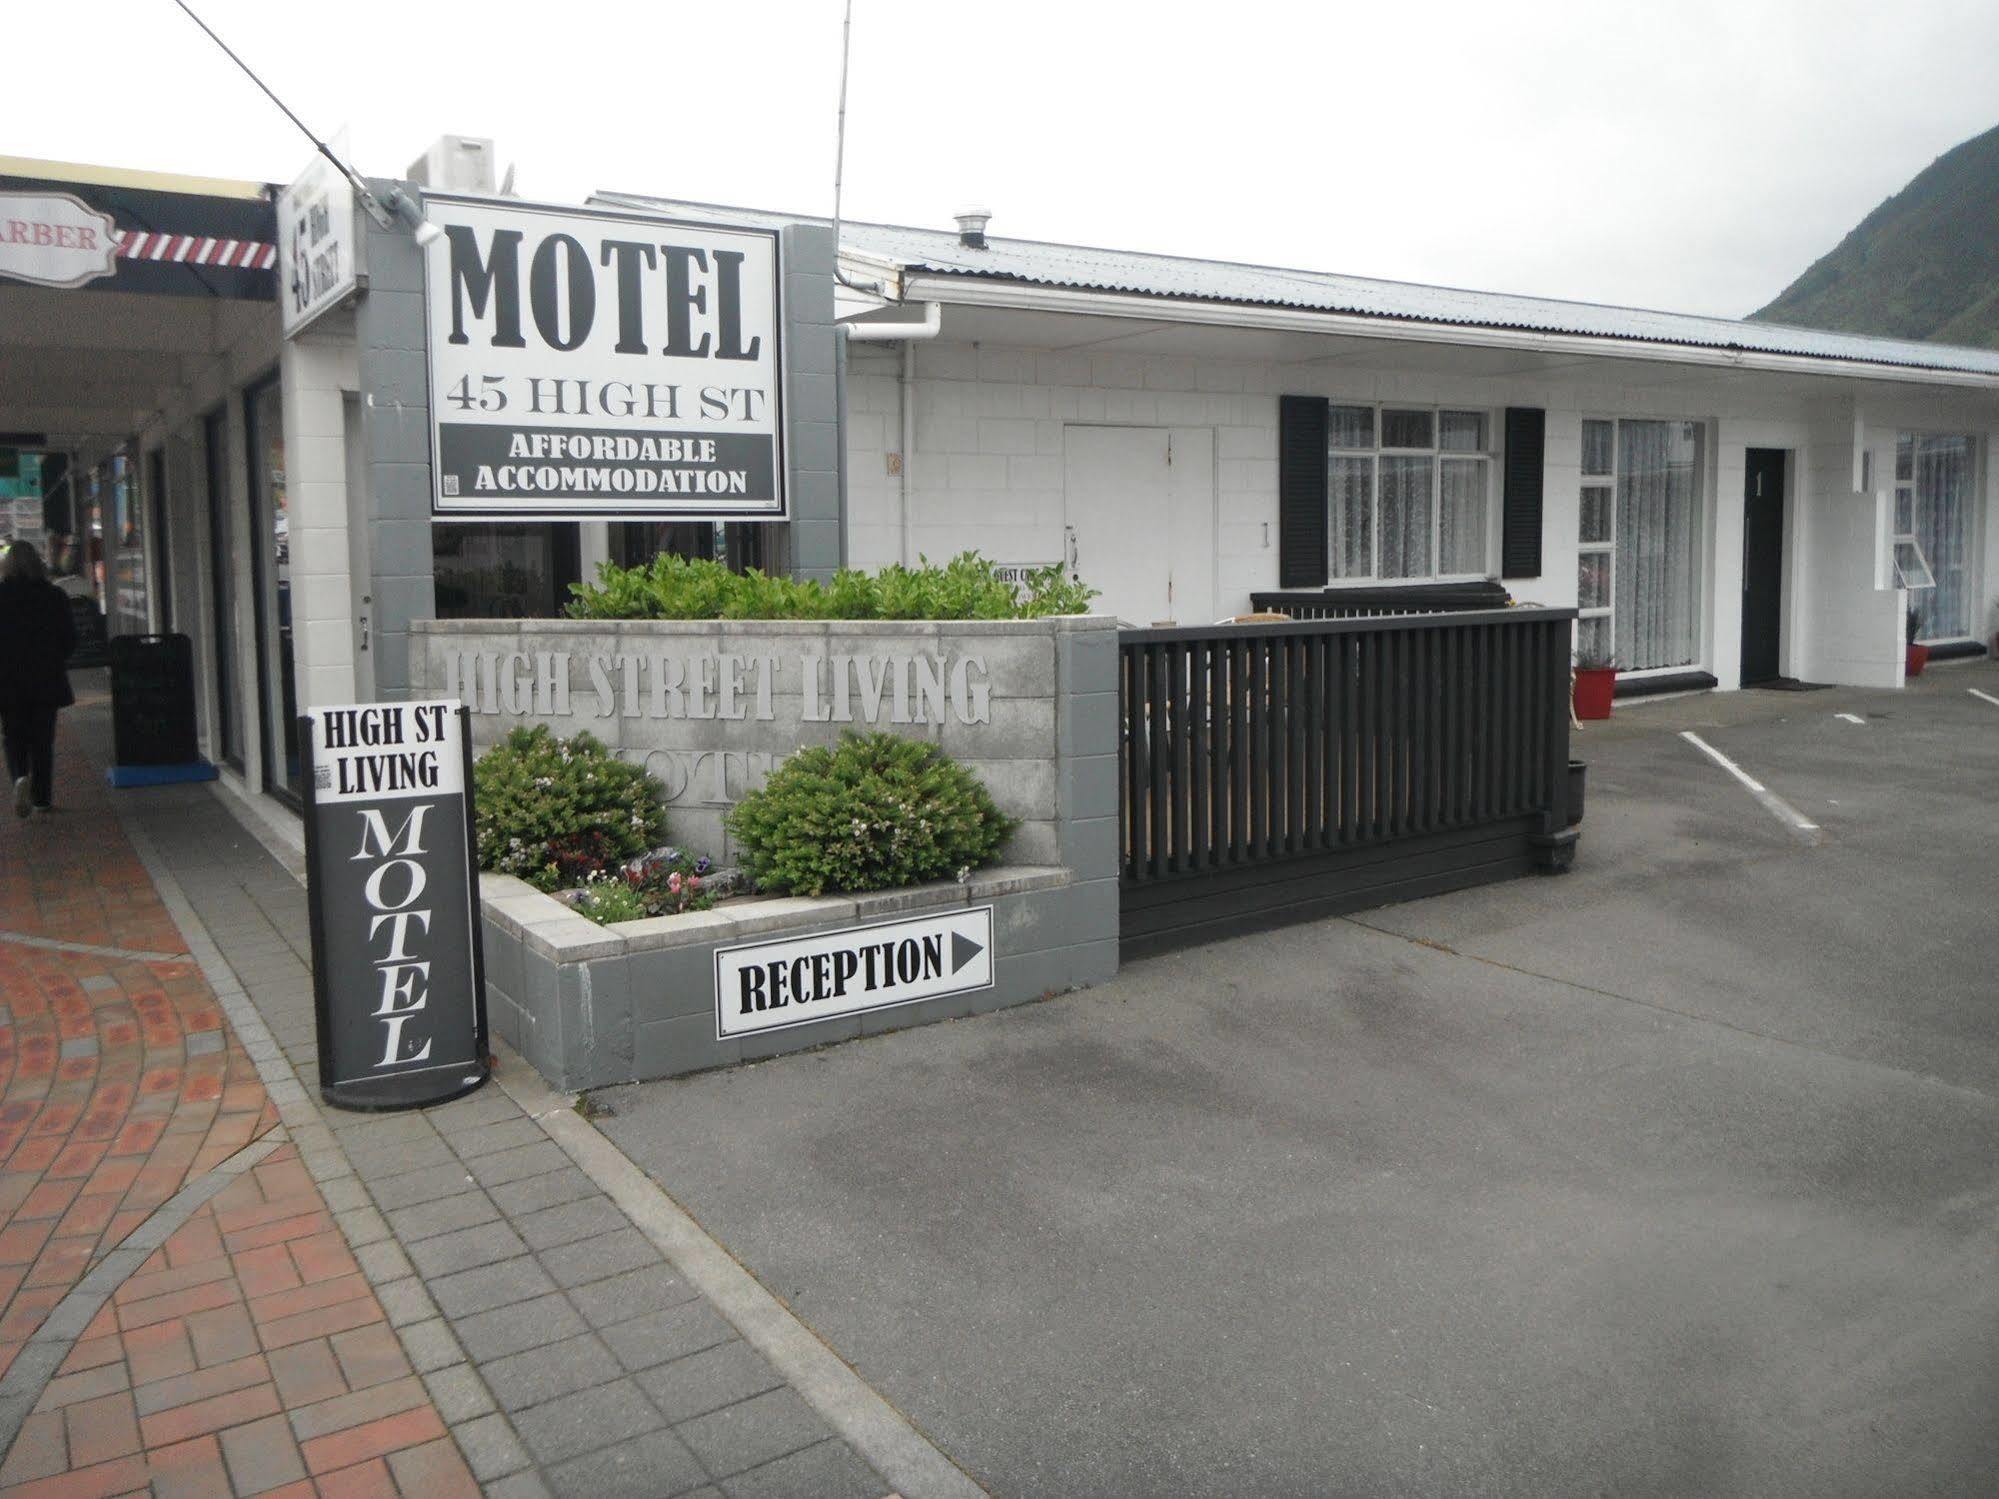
(36, 637)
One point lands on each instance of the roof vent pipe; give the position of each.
(972, 227)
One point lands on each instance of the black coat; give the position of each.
(36, 636)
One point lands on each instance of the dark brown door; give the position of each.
(1762, 565)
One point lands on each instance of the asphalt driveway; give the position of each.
(1676, 1175)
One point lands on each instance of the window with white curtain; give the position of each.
(1638, 559)
(1933, 482)
(1410, 488)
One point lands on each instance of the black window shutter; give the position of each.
(1520, 507)
(1301, 491)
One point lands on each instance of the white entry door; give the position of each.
(1141, 516)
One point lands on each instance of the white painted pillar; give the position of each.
(317, 370)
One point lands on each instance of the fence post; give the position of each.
(1555, 845)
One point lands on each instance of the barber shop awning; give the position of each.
(101, 229)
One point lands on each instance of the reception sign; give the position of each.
(587, 364)
(398, 982)
(771, 986)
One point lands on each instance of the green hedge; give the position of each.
(966, 587)
(873, 813)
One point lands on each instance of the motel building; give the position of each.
(216, 401)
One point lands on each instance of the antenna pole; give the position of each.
(840, 156)
(840, 134)
(318, 145)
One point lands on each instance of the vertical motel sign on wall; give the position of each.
(587, 364)
(397, 973)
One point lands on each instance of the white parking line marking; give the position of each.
(1994, 701)
(1774, 804)
(1850, 717)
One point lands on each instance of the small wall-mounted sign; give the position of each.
(1017, 573)
(397, 975)
(54, 239)
(769, 986)
(316, 243)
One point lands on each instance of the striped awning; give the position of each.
(178, 236)
(197, 249)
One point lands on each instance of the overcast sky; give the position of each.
(1694, 155)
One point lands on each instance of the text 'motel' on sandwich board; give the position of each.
(397, 970)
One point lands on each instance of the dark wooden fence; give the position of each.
(1277, 771)
(1384, 599)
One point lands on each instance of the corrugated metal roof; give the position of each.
(939, 252)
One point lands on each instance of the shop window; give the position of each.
(222, 587)
(1410, 490)
(1933, 508)
(503, 570)
(270, 574)
(1638, 543)
(635, 543)
(124, 545)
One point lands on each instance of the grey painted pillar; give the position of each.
(395, 435)
(818, 522)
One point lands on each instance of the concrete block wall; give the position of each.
(594, 1006)
(395, 382)
(1044, 754)
(817, 537)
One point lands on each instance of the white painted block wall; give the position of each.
(985, 472)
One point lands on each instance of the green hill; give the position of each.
(1923, 265)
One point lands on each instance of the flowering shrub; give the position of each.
(665, 882)
(556, 811)
(875, 812)
(966, 587)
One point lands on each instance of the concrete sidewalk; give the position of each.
(507, 1321)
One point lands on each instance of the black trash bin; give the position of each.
(152, 705)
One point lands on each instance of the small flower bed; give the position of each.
(966, 587)
(555, 812)
(873, 813)
(665, 882)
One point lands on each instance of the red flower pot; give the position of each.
(1594, 688)
(1919, 657)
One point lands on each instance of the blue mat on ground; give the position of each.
(127, 776)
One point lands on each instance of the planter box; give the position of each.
(1031, 706)
(591, 1006)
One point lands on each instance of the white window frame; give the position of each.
(1704, 516)
(1607, 547)
(1898, 538)
(1486, 455)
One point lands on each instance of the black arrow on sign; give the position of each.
(963, 950)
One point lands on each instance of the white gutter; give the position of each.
(970, 291)
(930, 327)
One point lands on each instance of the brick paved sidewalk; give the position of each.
(418, 1302)
(247, 1354)
(118, 1078)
